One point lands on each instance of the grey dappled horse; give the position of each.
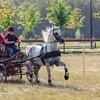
(47, 54)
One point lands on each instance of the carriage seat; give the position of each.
(3, 51)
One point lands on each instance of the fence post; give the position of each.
(64, 47)
(84, 59)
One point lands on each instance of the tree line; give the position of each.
(27, 15)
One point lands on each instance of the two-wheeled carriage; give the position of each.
(11, 66)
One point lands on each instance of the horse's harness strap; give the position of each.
(52, 54)
(49, 55)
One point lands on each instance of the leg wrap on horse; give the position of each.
(66, 74)
(49, 82)
(66, 70)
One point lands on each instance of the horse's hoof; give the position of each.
(50, 84)
(37, 82)
(30, 78)
(66, 77)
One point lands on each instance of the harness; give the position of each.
(52, 54)
(47, 55)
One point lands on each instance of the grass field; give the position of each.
(77, 87)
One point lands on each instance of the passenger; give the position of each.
(10, 40)
(2, 47)
(1, 39)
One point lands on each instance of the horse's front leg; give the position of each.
(49, 74)
(66, 76)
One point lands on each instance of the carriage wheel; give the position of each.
(17, 73)
(3, 73)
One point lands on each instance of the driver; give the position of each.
(10, 40)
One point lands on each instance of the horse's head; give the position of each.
(57, 35)
(52, 34)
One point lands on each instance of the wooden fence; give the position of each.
(64, 47)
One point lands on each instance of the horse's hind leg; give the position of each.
(36, 70)
(66, 76)
(29, 71)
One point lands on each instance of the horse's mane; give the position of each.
(46, 33)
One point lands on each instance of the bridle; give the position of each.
(55, 41)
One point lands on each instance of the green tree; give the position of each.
(97, 15)
(29, 18)
(76, 21)
(7, 14)
(58, 12)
